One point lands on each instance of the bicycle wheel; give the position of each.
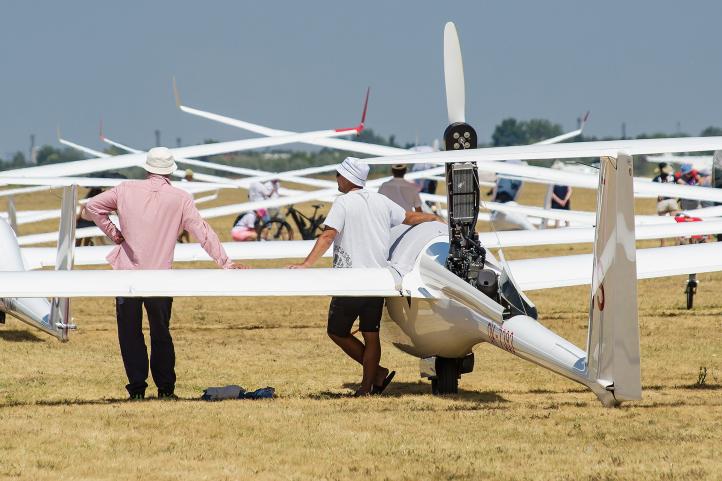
(274, 230)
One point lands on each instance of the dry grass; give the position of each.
(63, 415)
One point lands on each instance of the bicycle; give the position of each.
(277, 228)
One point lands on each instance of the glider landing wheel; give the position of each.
(274, 230)
(447, 376)
(691, 290)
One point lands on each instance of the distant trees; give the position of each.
(370, 137)
(113, 150)
(48, 154)
(509, 131)
(514, 132)
(711, 132)
(18, 160)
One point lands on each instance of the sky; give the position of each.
(305, 65)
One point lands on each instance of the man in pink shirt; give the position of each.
(151, 214)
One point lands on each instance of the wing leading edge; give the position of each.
(200, 282)
(576, 270)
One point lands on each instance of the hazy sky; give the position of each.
(304, 65)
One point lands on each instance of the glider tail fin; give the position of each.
(366, 106)
(12, 214)
(60, 307)
(613, 354)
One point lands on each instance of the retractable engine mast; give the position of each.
(466, 256)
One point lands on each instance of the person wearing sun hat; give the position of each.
(359, 227)
(151, 213)
(666, 205)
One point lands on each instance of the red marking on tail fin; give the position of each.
(366, 105)
(358, 128)
(102, 135)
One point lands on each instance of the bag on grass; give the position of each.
(236, 392)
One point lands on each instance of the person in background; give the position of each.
(561, 199)
(244, 227)
(151, 213)
(705, 180)
(188, 177)
(401, 191)
(688, 176)
(506, 190)
(81, 221)
(259, 191)
(666, 205)
(359, 227)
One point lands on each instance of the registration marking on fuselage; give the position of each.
(501, 337)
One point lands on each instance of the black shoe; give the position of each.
(138, 396)
(170, 396)
(378, 390)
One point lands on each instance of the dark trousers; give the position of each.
(129, 311)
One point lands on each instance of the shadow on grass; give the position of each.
(98, 402)
(551, 391)
(19, 336)
(398, 389)
(68, 402)
(701, 387)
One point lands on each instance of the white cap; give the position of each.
(354, 171)
(160, 161)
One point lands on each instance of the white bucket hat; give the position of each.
(160, 161)
(354, 171)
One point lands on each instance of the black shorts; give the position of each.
(344, 311)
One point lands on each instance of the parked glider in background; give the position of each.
(81, 167)
(338, 144)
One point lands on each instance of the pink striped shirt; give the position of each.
(152, 214)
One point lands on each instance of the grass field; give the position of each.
(63, 413)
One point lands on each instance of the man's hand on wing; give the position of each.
(301, 265)
(234, 265)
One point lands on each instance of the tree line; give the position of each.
(509, 131)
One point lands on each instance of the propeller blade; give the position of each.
(454, 75)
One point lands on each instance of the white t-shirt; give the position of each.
(363, 220)
(247, 221)
(258, 191)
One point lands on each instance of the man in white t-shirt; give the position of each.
(359, 226)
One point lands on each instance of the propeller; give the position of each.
(454, 75)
